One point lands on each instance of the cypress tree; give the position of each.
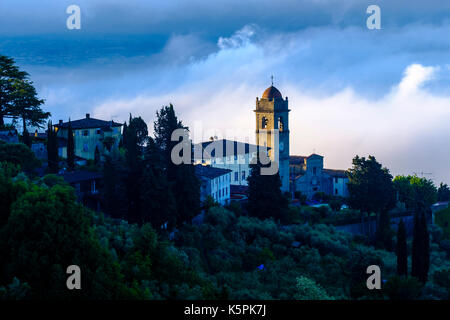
(185, 185)
(26, 139)
(52, 149)
(114, 190)
(155, 208)
(384, 231)
(96, 156)
(402, 250)
(137, 135)
(421, 245)
(70, 148)
(123, 141)
(415, 259)
(265, 199)
(426, 248)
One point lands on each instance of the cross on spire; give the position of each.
(271, 78)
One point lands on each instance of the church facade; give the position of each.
(308, 176)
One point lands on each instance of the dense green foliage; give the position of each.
(443, 192)
(26, 105)
(228, 256)
(371, 190)
(420, 246)
(442, 218)
(18, 154)
(9, 72)
(52, 149)
(370, 186)
(265, 199)
(402, 250)
(185, 185)
(70, 148)
(18, 97)
(412, 190)
(307, 289)
(142, 185)
(47, 231)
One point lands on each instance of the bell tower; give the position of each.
(272, 113)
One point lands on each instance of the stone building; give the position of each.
(227, 154)
(309, 177)
(272, 114)
(297, 173)
(89, 134)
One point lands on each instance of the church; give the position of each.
(297, 173)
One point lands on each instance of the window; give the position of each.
(314, 171)
(99, 131)
(280, 124)
(263, 122)
(243, 175)
(236, 176)
(85, 133)
(336, 180)
(336, 191)
(85, 147)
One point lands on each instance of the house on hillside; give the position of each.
(89, 134)
(215, 182)
(87, 186)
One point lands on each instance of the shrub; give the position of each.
(308, 289)
(403, 288)
(442, 219)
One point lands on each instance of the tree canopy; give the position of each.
(265, 199)
(370, 186)
(18, 154)
(443, 192)
(413, 190)
(18, 97)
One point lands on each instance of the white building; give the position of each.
(227, 154)
(215, 182)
